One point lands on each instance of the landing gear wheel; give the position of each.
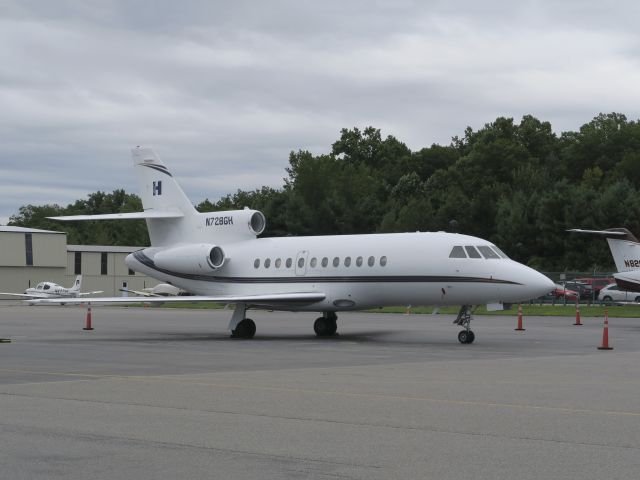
(325, 327)
(466, 336)
(245, 329)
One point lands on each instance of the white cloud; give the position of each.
(224, 91)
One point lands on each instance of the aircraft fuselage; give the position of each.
(360, 271)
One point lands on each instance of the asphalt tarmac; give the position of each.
(156, 393)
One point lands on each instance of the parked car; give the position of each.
(584, 290)
(596, 283)
(612, 293)
(561, 292)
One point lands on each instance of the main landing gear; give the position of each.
(464, 320)
(240, 326)
(326, 325)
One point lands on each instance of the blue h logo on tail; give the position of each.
(157, 188)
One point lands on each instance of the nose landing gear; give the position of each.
(464, 320)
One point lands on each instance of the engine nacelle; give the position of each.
(234, 223)
(195, 258)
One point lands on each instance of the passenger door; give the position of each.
(301, 262)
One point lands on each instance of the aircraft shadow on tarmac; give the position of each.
(387, 337)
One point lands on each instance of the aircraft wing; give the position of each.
(21, 295)
(123, 216)
(302, 298)
(90, 293)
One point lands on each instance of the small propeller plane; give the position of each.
(53, 290)
(160, 290)
(218, 257)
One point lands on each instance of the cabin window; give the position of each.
(325, 261)
(314, 262)
(336, 261)
(347, 262)
(457, 252)
(359, 261)
(278, 262)
(300, 262)
(256, 263)
(371, 262)
(472, 252)
(383, 261)
(499, 252)
(289, 263)
(487, 252)
(267, 262)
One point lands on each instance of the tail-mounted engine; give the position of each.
(234, 224)
(196, 258)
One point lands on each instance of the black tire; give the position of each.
(471, 337)
(325, 327)
(463, 336)
(607, 300)
(245, 329)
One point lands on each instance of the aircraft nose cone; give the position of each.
(527, 283)
(540, 283)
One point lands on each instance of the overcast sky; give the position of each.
(225, 90)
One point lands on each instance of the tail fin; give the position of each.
(77, 284)
(626, 254)
(160, 192)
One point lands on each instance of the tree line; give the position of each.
(519, 185)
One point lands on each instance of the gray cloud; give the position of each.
(224, 90)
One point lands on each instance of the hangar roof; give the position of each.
(101, 248)
(11, 229)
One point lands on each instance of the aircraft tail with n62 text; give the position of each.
(218, 257)
(625, 250)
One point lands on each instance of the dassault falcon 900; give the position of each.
(218, 257)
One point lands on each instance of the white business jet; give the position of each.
(53, 290)
(625, 250)
(217, 257)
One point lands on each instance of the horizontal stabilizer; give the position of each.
(619, 233)
(267, 299)
(123, 216)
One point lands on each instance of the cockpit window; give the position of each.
(472, 252)
(47, 286)
(457, 252)
(500, 252)
(487, 252)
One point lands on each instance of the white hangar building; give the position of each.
(29, 256)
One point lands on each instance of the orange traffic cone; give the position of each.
(605, 333)
(577, 313)
(88, 324)
(519, 319)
